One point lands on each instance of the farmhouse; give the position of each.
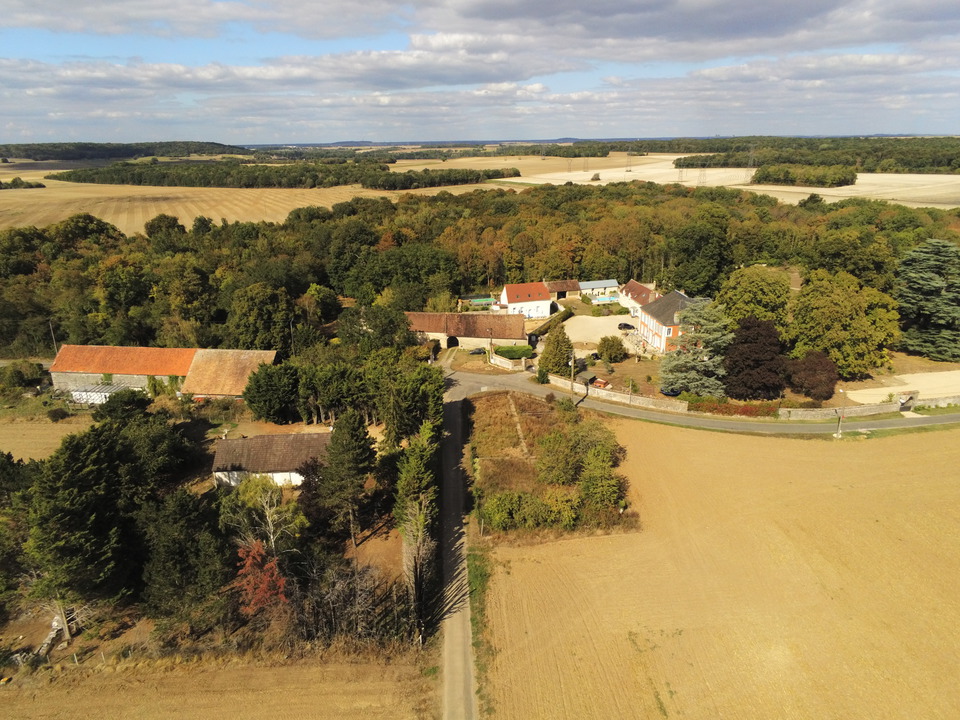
(468, 330)
(531, 300)
(563, 289)
(658, 321)
(223, 373)
(276, 456)
(634, 295)
(600, 290)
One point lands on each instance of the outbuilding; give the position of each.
(276, 456)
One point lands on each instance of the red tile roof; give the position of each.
(527, 292)
(224, 372)
(106, 359)
(469, 325)
(639, 293)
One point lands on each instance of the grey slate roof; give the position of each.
(597, 284)
(664, 310)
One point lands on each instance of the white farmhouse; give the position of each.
(531, 300)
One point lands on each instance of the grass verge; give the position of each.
(479, 572)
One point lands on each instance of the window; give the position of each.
(669, 331)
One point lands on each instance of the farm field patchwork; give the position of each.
(773, 578)
(129, 207)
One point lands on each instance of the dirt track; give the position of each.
(774, 578)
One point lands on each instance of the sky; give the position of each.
(316, 71)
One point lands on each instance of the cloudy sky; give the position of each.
(264, 71)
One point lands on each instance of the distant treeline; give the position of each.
(109, 151)
(19, 184)
(232, 174)
(815, 175)
(888, 155)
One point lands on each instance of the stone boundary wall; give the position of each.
(624, 398)
(833, 413)
(937, 402)
(507, 363)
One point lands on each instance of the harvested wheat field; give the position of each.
(773, 578)
(129, 206)
(234, 692)
(37, 440)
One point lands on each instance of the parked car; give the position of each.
(625, 326)
(669, 393)
(478, 351)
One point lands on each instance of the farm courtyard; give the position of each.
(773, 578)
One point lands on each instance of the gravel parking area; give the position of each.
(588, 330)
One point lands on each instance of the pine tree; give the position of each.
(928, 288)
(350, 458)
(557, 352)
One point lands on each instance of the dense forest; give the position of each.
(865, 154)
(107, 151)
(807, 175)
(233, 174)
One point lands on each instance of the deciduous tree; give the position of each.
(754, 363)
(852, 324)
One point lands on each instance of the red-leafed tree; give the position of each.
(259, 581)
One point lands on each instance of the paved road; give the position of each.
(459, 690)
(459, 684)
(469, 383)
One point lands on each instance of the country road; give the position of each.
(459, 685)
(459, 681)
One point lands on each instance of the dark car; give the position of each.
(669, 393)
(478, 351)
(625, 326)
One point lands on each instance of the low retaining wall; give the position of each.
(833, 413)
(624, 398)
(937, 402)
(507, 363)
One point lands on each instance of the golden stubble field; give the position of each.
(328, 691)
(129, 207)
(773, 578)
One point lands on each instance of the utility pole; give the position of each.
(843, 411)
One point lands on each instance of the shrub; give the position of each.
(542, 376)
(57, 414)
(814, 375)
(611, 349)
(514, 352)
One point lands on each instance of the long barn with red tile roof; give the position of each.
(92, 372)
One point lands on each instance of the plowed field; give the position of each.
(773, 578)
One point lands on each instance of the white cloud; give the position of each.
(491, 68)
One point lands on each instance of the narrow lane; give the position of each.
(459, 685)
